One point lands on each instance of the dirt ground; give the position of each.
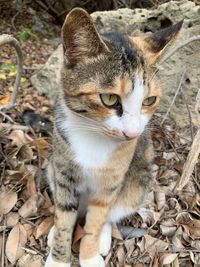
(166, 232)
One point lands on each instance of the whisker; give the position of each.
(80, 124)
(80, 128)
(83, 126)
(84, 117)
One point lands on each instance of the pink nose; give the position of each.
(130, 135)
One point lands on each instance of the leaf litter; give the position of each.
(166, 232)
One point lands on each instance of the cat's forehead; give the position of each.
(115, 69)
(124, 60)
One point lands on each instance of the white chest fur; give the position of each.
(91, 150)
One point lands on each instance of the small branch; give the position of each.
(173, 100)
(8, 39)
(7, 117)
(190, 40)
(9, 127)
(191, 161)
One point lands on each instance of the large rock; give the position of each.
(143, 20)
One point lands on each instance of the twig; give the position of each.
(190, 40)
(7, 117)
(8, 126)
(22, 5)
(191, 161)
(173, 100)
(39, 173)
(8, 39)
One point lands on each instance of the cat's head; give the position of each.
(108, 80)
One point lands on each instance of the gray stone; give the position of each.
(143, 20)
(46, 80)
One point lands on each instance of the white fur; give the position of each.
(96, 261)
(50, 236)
(132, 122)
(50, 262)
(91, 149)
(117, 213)
(105, 239)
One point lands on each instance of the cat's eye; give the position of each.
(149, 101)
(110, 100)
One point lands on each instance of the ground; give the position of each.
(164, 233)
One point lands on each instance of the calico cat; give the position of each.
(102, 153)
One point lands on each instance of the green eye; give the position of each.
(109, 100)
(149, 101)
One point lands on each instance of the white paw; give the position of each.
(50, 262)
(96, 261)
(50, 236)
(105, 239)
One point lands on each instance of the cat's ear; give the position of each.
(153, 45)
(80, 37)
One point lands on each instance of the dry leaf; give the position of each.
(25, 153)
(17, 238)
(78, 234)
(193, 227)
(18, 138)
(139, 264)
(44, 227)
(121, 255)
(36, 263)
(160, 199)
(152, 244)
(29, 229)
(147, 215)
(168, 230)
(155, 262)
(30, 260)
(12, 219)
(129, 232)
(175, 263)
(4, 100)
(31, 206)
(116, 233)
(42, 143)
(7, 201)
(167, 258)
(31, 186)
(176, 240)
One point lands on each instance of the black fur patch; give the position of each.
(68, 207)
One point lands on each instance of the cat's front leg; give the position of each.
(96, 219)
(105, 239)
(66, 205)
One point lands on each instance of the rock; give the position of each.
(142, 20)
(46, 79)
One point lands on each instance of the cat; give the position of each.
(102, 149)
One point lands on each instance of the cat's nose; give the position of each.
(130, 135)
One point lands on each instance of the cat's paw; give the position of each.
(105, 239)
(96, 261)
(50, 236)
(50, 262)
